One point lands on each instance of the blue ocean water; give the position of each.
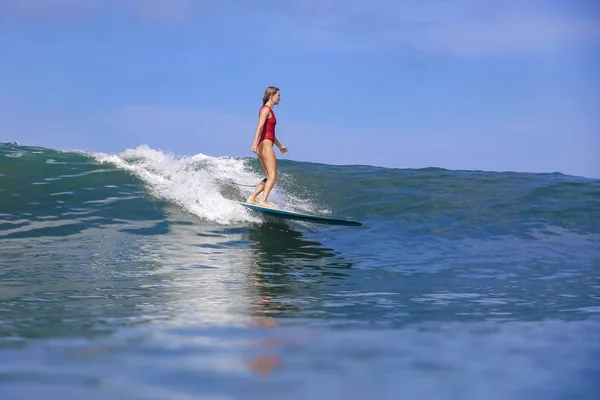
(137, 276)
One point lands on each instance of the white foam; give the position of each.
(205, 186)
(51, 160)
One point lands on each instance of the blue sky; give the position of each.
(509, 85)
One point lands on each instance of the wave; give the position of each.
(430, 201)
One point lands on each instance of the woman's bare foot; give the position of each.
(250, 200)
(267, 204)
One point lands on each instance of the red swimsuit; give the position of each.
(268, 132)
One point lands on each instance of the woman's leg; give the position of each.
(261, 185)
(259, 189)
(267, 156)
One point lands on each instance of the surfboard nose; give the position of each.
(299, 216)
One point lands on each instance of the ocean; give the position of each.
(136, 276)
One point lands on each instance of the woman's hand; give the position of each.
(283, 149)
(254, 148)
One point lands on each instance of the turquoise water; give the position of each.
(137, 276)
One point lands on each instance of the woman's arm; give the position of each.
(262, 117)
(282, 148)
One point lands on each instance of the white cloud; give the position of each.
(159, 10)
(464, 27)
(47, 8)
(460, 27)
(168, 10)
(512, 36)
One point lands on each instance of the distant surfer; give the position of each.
(262, 146)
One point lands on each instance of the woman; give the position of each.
(264, 138)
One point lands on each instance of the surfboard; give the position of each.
(299, 216)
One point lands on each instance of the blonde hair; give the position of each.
(270, 91)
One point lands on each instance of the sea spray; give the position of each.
(202, 185)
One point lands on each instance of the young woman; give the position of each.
(264, 138)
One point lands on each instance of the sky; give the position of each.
(510, 85)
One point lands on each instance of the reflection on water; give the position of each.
(202, 310)
(177, 273)
(277, 243)
(168, 268)
(289, 275)
(291, 272)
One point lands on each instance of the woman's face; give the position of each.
(275, 98)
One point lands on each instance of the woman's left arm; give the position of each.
(282, 148)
